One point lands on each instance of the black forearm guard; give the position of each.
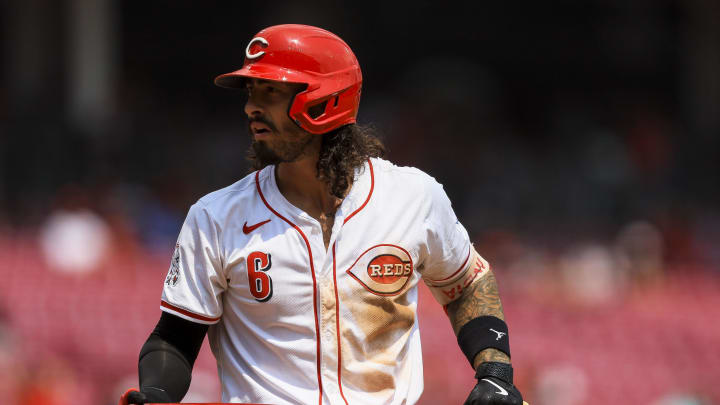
(167, 357)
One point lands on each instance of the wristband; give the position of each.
(482, 333)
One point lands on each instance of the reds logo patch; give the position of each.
(383, 269)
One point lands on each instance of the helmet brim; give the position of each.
(236, 79)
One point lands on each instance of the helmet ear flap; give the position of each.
(325, 113)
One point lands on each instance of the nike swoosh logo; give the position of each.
(502, 390)
(247, 229)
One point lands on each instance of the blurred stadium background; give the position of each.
(578, 141)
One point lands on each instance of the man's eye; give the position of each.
(271, 89)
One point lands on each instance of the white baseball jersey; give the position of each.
(294, 322)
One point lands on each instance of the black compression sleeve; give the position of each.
(167, 357)
(185, 335)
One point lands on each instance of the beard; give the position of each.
(288, 147)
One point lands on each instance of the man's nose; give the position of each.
(252, 108)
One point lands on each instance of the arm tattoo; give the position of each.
(480, 298)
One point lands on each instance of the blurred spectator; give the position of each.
(52, 381)
(682, 399)
(706, 237)
(11, 364)
(74, 241)
(639, 249)
(561, 385)
(590, 275)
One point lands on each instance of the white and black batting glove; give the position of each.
(495, 386)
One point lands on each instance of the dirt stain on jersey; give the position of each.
(377, 336)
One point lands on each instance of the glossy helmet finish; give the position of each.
(304, 54)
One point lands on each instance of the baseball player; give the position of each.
(304, 273)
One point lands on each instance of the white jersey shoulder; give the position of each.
(404, 176)
(198, 275)
(412, 190)
(227, 200)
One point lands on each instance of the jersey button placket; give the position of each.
(329, 368)
(328, 307)
(319, 258)
(333, 272)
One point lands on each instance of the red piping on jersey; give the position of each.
(312, 272)
(372, 186)
(456, 272)
(337, 328)
(187, 313)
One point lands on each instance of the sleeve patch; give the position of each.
(174, 272)
(447, 291)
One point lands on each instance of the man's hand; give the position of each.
(133, 396)
(151, 395)
(494, 391)
(494, 386)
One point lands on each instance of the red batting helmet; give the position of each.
(303, 54)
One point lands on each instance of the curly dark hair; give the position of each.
(343, 150)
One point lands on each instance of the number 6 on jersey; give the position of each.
(258, 263)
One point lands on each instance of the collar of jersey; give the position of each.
(359, 193)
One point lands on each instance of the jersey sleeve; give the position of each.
(451, 263)
(196, 281)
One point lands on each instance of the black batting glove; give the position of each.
(137, 397)
(133, 396)
(494, 386)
